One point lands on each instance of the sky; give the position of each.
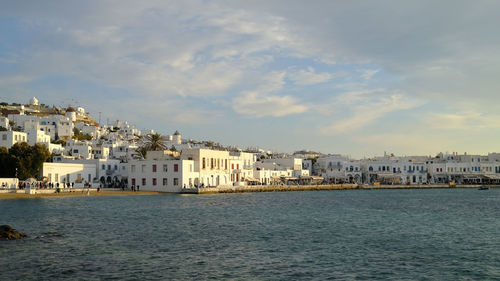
(351, 77)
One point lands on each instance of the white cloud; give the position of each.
(368, 73)
(310, 77)
(259, 105)
(367, 110)
(463, 121)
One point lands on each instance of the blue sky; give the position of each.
(350, 77)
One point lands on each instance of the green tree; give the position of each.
(29, 159)
(79, 136)
(155, 142)
(7, 164)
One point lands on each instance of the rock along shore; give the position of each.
(9, 233)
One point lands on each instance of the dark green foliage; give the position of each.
(7, 164)
(27, 159)
(79, 136)
(3, 104)
(60, 141)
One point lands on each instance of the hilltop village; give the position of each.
(85, 153)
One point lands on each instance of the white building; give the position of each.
(81, 150)
(69, 173)
(57, 126)
(241, 167)
(4, 122)
(212, 165)
(80, 110)
(33, 101)
(9, 138)
(164, 175)
(9, 183)
(35, 135)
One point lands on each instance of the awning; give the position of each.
(250, 179)
(492, 177)
(472, 177)
(389, 176)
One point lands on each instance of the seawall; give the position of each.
(284, 188)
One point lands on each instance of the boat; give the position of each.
(483, 187)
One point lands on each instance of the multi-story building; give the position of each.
(9, 138)
(164, 174)
(212, 165)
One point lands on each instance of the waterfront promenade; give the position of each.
(285, 188)
(39, 193)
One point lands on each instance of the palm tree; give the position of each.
(155, 142)
(142, 150)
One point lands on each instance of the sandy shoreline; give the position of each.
(73, 194)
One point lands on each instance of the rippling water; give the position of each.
(353, 235)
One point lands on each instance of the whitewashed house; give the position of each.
(77, 173)
(9, 138)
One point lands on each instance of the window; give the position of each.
(237, 166)
(49, 176)
(132, 168)
(203, 163)
(109, 167)
(225, 164)
(176, 181)
(143, 168)
(75, 150)
(116, 167)
(176, 167)
(165, 168)
(154, 181)
(4, 137)
(133, 181)
(165, 182)
(143, 181)
(15, 137)
(232, 166)
(154, 170)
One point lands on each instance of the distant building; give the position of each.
(33, 101)
(4, 122)
(71, 113)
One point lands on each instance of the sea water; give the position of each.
(440, 234)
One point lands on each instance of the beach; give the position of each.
(93, 192)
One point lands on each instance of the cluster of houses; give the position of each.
(110, 157)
